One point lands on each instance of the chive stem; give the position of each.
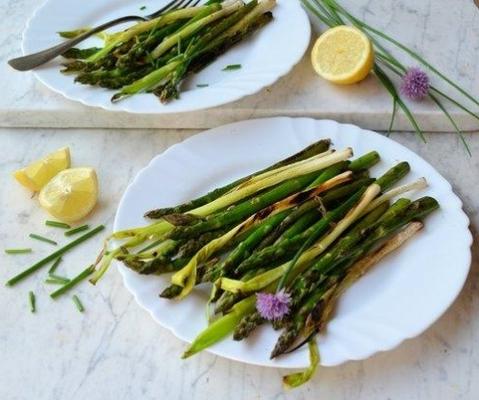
(57, 224)
(22, 275)
(73, 282)
(59, 278)
(78, 303)
(54, 281)
(31, 298)
(54, 266)
(232, 67)
(76, 230)
(42, 239)
(18, 251)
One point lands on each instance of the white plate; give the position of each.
(265, 57)
(399, 299)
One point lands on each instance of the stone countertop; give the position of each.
(116, 351)
(447, 35)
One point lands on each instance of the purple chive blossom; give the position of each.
(273, 306)
(415, 84)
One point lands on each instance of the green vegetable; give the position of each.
(42, 239)
(31, 299)
(18, 251)
(57, 224)
(74, 231)
(78, 303)
(35, 267)
(54, 266)
(232, 67)
(73, 282)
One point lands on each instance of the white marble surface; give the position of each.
(447, 35)
(116, 351)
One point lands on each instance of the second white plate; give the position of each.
(397, 300)
(265, 57)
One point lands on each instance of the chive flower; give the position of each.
(273, 306)
(415, 84)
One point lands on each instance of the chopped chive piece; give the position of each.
(42, 239)
(18, 251)
(31, 298)
(73, 282)
(58, 278)
(78, 303)
(54, 281)
(54, 266)
(232, 67)
(76, 230)
(57, 224)
(22, 275)
(143, 8)
(202, 85)
(151, 245)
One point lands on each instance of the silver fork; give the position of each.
(34, 60)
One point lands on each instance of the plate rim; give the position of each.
(125, 105)
(468, 242)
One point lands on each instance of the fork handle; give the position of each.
(34, 60)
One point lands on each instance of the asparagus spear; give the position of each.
(286, 247)
(210, 14)
(244, 248)
(361, 267)
(186, 277)
(316, 310)
(250, 322)
(305, 206)
(168, 79)
(199, 61)
(263, 280)
(146, 26)
(291, 175)
(399, 214)
(304, 173)
(312, 150)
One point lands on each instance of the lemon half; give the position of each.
(71, 194)
(36, 175)
(343, 55)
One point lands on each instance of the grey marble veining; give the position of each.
(116, 351)
(447, 33)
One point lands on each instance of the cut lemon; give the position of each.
(70, 195)
(37, 174)
(343, 55)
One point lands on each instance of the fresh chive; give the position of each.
(202, 85)
(73, 282)
(35, 267)
(53, 281)
(232, 67)
(54, 266)
(76, 230)
(57, 224)
(150, 246)
(42, 239)
(31, 298)
(143, 8)
(18, 251)
(78, 303)
(58, 278)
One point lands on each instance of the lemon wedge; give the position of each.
(343, 55)
(36, 175)
(71, 194)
